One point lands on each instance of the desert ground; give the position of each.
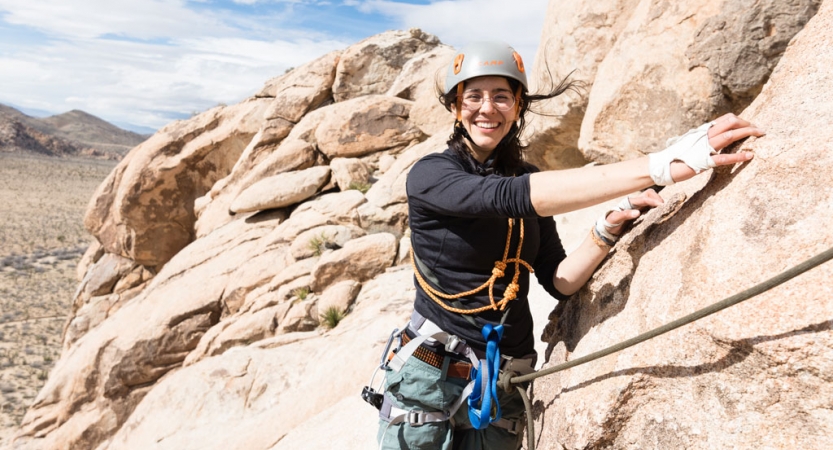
(42, 237)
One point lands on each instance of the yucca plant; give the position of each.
(331, 317)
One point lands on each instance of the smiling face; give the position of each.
(487, 125)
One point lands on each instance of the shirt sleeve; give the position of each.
(550, 254)
(439, 184)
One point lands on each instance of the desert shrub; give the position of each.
(359, 186)
(318, 244)
(331, 317)
(301, 292)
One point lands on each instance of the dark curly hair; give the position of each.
(508, 156)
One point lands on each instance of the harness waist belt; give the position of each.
(456, 369)
(420, 325)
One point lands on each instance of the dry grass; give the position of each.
(41, 240)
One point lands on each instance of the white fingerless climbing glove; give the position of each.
(602, 226)
(692, 148)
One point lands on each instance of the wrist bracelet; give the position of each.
(600, 240)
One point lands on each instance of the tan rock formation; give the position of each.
(338, 297)
(199, 406)
(257, 162)
(654, 85)
(360, 259)
(242, 280)
(365, 125)
(144, 210)
(302, 89)
(576, 39)
(754, 374)
(390, 188)
(349, 173)
(418, 81)
(652, 70)
(281, 190)
(372, 65)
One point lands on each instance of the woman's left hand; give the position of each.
(645, 200)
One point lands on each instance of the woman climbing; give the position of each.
(480, 220)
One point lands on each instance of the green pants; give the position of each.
(419, 386)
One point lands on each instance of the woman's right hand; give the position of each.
(726, 130)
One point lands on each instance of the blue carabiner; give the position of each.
(483, 405)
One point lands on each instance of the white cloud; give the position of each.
(140, 19)
(149, 84)
(145, 62)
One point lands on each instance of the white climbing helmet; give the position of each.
(483, 59)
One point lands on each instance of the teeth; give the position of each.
(487, 124)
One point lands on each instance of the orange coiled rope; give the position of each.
(498, 271)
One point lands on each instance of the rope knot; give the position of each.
(511, 292)
(498, 271)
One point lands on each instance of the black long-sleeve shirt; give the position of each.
(458, 222)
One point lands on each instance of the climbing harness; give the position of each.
(481, 393)
(483, 406)
(393, 359)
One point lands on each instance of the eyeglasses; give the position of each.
(473, 101)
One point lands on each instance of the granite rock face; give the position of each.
(757, 374)
(651, 70)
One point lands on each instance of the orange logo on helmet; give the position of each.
(518, 61)
(458, 63)
(491, 63)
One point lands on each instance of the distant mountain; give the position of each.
(71, 133)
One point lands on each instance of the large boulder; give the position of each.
(281, 190)
(418, 81)
(302, 89)
(575, 40)
(675, 66)
(755, 373)
(650, 70)
(360, 259)
(144, 210)
(371, 66)
(366, 125)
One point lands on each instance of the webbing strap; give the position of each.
(415, 417)
(484, 407)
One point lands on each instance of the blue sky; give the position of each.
(148, 62)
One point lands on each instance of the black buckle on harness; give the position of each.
(371, 396)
